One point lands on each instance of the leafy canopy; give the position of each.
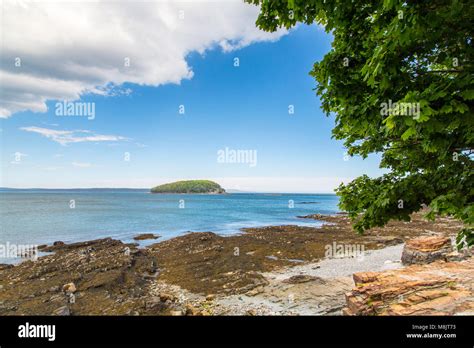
(399, 80)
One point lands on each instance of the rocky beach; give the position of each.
(274, 270)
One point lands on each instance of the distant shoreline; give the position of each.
(109, 189)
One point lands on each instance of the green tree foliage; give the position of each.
(418, 54)
(189, 186)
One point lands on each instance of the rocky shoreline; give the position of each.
(275, 270)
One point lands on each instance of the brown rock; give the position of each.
(144, 236)
(437, 288)
(252, 312)
(191, 310)
(364, 277)
(98, 269)
(5, 266)
(57, 298)
(64, 310)
(387, 240)
(84, 247)
(427, 244)
(458, 256)
(255, 291)
(302, 278)
(153, 302)
(69, 288)
(101, 279)
(425, 250)
(166, 297)
(210, 297)
(54, 288)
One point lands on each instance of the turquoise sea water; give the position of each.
(45, 216)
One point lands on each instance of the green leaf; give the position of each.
(408, 134)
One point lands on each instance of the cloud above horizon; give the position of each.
(65, 137)
(61, 50)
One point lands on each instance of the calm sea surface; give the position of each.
(45, 216)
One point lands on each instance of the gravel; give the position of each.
(370, 261)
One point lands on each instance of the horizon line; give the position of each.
(141, 188)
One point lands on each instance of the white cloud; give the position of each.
(81, 164)
(65, 137)
(68, 48)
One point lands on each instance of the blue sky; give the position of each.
(241, 108)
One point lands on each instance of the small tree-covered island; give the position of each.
(190, 186)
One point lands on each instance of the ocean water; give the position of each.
(44, 216)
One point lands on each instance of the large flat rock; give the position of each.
(438, 288)
(426, 249)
